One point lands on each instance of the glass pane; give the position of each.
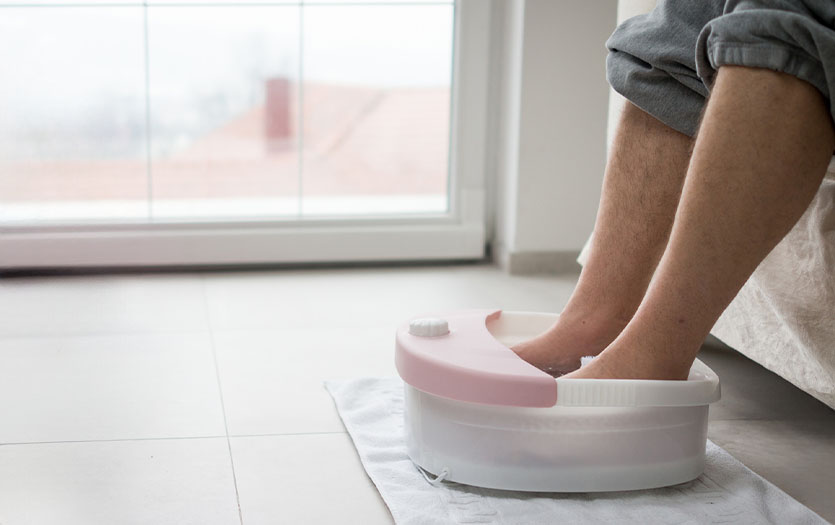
(376, 108)
(223, 92)
(272, 2)
(73, 3)
(348, 2)
(72, 123)
(222, 2)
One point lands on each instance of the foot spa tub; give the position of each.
(478, 414)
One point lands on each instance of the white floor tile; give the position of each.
(322, 300)
(116, 357)
(310, 479)
(318, 325)
(108, 387)
(157, 482)
(749, 391)
(101, 304)
(272, 380)
(798, 456)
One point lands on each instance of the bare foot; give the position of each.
(625, 359)
(558, 351)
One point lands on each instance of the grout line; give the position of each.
(115, 333)
(115, 440)
(289, 434)
(331, 432)
(170, 438)
(220, 395)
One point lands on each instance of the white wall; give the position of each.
(550, 149)
(506, 79)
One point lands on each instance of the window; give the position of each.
(151, 116)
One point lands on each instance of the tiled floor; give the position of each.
(197, 398)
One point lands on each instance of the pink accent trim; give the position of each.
(469, 364)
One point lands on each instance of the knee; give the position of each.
(756, 37)
(783, 87)
(668, 97)
(627, 75)
(779, 100)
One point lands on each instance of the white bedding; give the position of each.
(784, 316)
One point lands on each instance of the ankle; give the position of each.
(588, 333)
(599, 326)
(618, 362)
(635, 356)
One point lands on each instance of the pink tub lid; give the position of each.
(469, 364)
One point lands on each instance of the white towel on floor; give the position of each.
(728, 492)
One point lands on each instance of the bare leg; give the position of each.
(761, 153)
(641, 189)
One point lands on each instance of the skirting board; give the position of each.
(527, 263)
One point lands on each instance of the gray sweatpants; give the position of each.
(664, 62)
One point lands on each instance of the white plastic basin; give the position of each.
(601, 435)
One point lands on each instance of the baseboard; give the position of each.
(528, 263)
